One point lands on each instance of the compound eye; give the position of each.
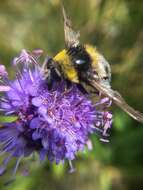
(106, 78)
(80, 62)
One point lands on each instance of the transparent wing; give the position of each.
(71, 36)
(118, 100)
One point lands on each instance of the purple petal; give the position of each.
(37, 101)
(6, 106)
(36, 135)
(45, 142)
(4, 88)
(3, 71)
(42, 154)
(35, 123)
(42, 110)
(15, 61)
(104, 140)
(77, 125)
(89, 145)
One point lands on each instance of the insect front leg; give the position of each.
(51, 72)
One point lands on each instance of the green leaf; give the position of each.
(8, 119)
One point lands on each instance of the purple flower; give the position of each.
(55, 123)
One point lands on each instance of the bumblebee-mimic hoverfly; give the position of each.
(83, 64)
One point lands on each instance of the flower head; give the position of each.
(55, 123)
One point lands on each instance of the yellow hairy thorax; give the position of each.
(66, 65)
(91, 50)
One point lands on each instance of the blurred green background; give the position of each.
(116, 28)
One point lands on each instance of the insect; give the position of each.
(83, 64)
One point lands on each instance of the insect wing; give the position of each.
(71, 36)
(118, 100)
